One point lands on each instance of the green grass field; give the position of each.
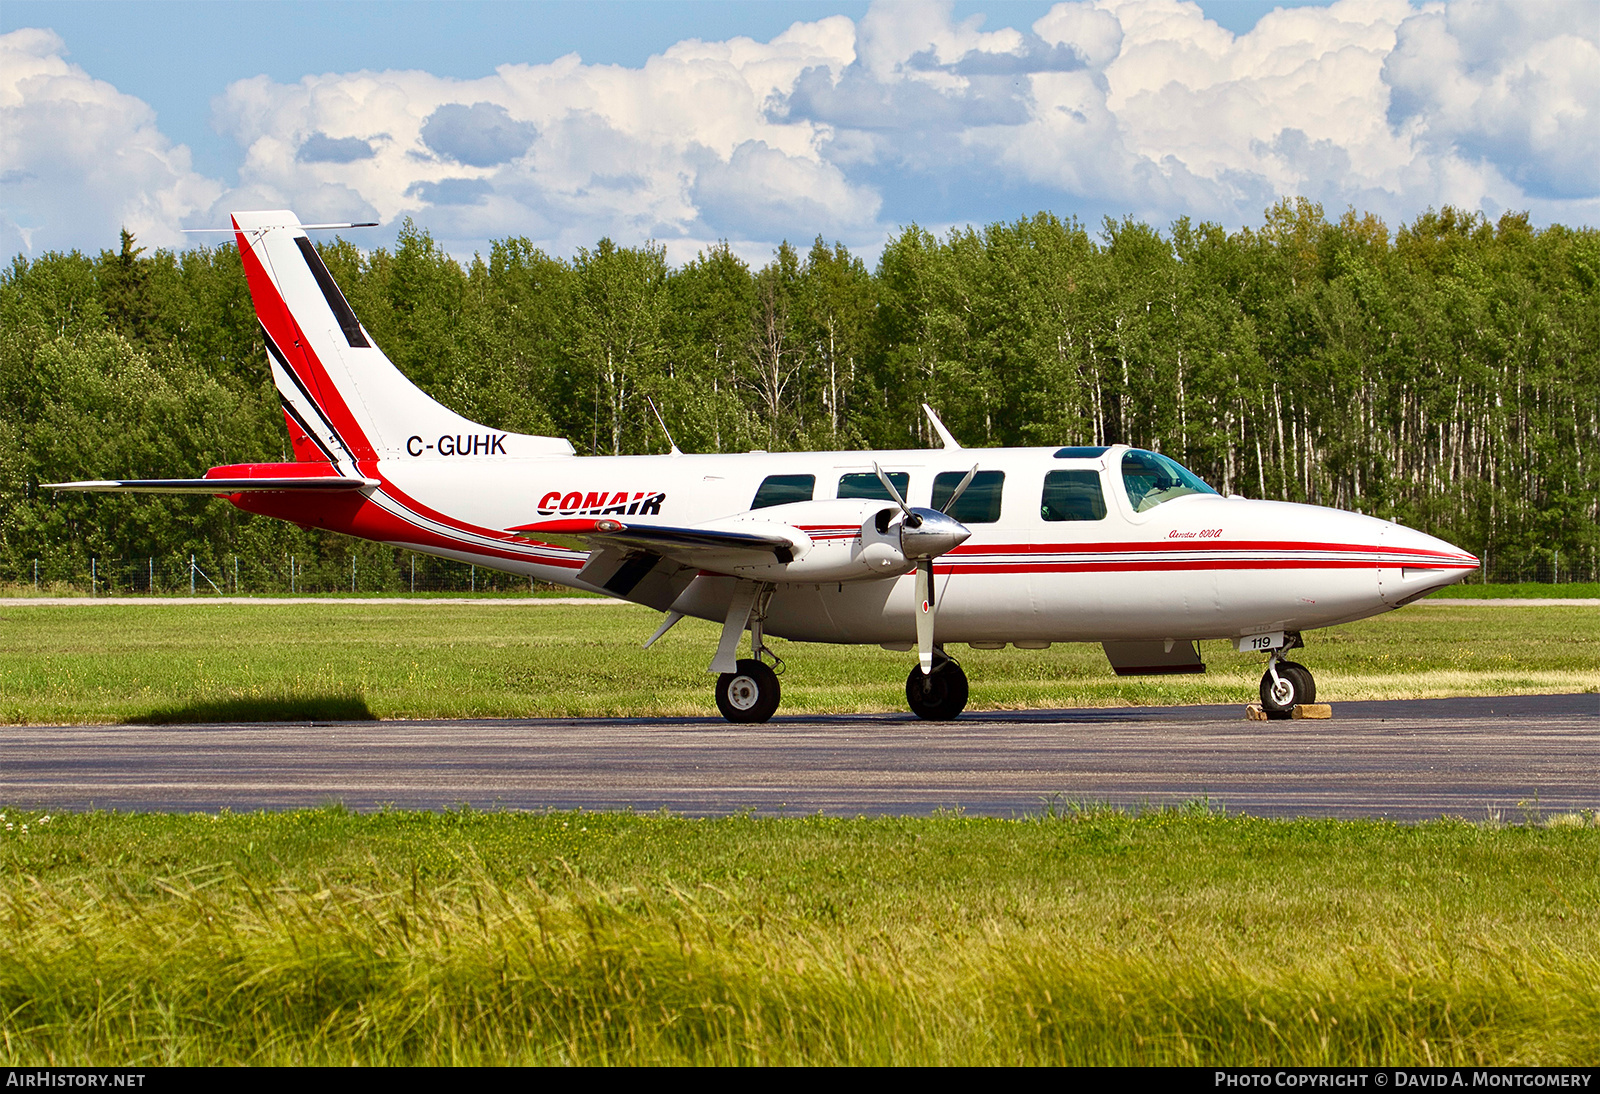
(507, 658)
(1085, 937)
(1079, 936)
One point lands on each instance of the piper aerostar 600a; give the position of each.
(915, 549)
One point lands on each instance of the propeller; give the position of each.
(925, 534)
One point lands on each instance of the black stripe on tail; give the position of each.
(330, 292)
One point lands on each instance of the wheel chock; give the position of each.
(1255, 713)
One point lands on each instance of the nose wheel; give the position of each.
(939, 695)
(1285, 685)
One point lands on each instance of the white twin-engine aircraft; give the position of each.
(909, 550)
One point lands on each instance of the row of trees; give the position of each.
(1446, 374)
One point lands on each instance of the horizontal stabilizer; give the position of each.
(214, 486)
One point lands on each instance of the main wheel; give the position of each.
(940, 695)
(1294, 686)
(749, 694)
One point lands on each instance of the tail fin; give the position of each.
(343, 400)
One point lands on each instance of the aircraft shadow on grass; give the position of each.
(300, 708)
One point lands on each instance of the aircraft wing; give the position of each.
(214, 486)
(708, 546)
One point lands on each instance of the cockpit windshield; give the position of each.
(1151, 478)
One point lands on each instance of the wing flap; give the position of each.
(708, 545)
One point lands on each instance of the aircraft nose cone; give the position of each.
(1415, 564)
(937, 534)
(1420, 546)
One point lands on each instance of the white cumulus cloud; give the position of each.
(849, 129)
(79, 160)
(1517, 86)
(1374, 103)
(684, 149)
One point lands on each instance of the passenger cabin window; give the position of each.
(1151, 478)
(1079, 452)
(1073, 495)
(866, 485)
(978, 504)
(783, 489)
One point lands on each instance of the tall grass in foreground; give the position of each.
(1091, 937)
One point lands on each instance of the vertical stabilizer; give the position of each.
(344, 401)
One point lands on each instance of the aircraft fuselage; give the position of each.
(1200, 566)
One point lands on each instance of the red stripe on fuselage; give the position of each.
(1141, 565)
(1179, 545)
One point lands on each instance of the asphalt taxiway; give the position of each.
(1475, 758)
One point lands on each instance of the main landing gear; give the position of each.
(747, 687)
(1286, 684)
(940, 695)
(749, 694)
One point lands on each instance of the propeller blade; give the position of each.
(965, 482)
(888, 484)
(925, 615)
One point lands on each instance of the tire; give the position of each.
(941, 695)
(1308, 690)
(1295, 685)
(748, 695)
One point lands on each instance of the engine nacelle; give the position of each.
(878, 549)
(858, 539)
(854, 539)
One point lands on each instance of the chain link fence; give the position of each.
(244, 575)
(1540, 567)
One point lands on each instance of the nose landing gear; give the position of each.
(940, 695)
(1286, 684)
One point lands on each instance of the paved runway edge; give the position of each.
(1507, 758)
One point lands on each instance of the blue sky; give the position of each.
(689, 123)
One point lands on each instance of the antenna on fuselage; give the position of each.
(674, 444)
(938, 427)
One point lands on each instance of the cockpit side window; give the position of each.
(783, 489)
(978, 504)
(1151, 478)
(1072, 495)
(865, 484)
